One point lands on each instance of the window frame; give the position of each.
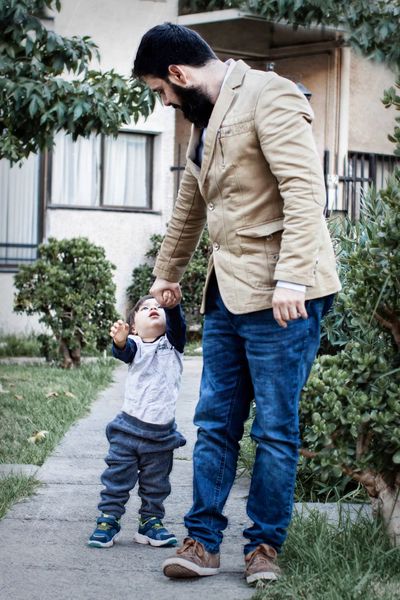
(14, 267)
(150, 139)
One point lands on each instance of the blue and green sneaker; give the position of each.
(152, 531)
(106, 532)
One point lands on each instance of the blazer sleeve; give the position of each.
(283, 119)
(183, 232)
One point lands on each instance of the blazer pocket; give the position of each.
(228, 130)
(260, 245)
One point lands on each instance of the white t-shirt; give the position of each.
(153, 381)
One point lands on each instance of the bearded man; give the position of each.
(254, 176)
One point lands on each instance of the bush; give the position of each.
(192, 282)
(17, 345)
(350, 410)
(71, 287)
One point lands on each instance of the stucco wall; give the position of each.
(117, 29)
(10, 322)
(370, 122)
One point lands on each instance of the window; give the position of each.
(20, 223)
(103, 171)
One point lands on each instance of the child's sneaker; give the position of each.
(106, 532)
(152, 531)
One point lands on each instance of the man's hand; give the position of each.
(119, 332)
(167, 293)
(288, 305)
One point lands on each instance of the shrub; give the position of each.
(18, 345)
(350, 409)
(71, 287)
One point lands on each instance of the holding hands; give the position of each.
(167, 293)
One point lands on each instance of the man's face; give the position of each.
(192, 101)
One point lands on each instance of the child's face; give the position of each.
(149, 320)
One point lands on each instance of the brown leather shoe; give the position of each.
(261, 564)
(191, 560)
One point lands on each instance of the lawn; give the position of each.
(347, 561)
(38, 404)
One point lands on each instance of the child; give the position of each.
(143, 436)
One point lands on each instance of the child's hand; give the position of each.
(168, 297)
(119, 332)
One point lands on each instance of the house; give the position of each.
(351, 124)
(117, 192)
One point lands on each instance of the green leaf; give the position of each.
(396, 458)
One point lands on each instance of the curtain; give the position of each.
(76, 171)
(126, 170)
(19, 210)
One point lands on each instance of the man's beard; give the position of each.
(195, 105)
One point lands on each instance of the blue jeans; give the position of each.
(246, 357)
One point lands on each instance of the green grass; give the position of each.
(13, 488)
(44, 398)
(348, 561)
(37, 398)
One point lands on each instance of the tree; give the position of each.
(370, 26)
(36, 101)
(71, 288)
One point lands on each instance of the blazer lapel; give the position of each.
(221, 107)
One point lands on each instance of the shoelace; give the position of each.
(261, 552)
(193, 545)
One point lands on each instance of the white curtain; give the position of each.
(126, 168)
(76, 171)
(19, 209)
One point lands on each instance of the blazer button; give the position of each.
(216, 246)
(211, 206)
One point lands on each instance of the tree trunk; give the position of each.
(67, 362)
(387, 505)
(384, 492)
(76, 356)
(71, 358)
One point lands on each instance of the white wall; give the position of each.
(10, 322)
(370, 122)
(117, 28)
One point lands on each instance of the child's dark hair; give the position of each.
(170, 44)
(131, 314)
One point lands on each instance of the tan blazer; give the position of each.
(261, 191)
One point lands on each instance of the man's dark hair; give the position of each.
(170, 44)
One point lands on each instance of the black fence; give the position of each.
(362, 171)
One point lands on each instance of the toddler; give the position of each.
(143, 436)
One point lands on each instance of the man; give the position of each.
(253, 174)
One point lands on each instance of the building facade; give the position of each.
(118, 192)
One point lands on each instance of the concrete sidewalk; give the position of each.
(44, 555)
